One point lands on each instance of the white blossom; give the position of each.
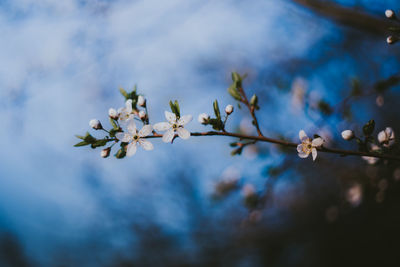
(141, 101)
(125, 113)
(308, 146)
(113, 114)
(386, 137)
(203, 118)
(391, 40)
(105, 152)
(173, 125)
(142, 114)
(389, 13)
(347, 134)
(95, 124)
(133, 137)
(229, 109)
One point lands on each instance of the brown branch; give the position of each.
(288, 144)
(349, 16)
(251, 109)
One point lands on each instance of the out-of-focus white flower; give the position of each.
(354, 195)
(133, 136)
(248, 190)
(125, 113)
(95, 124)
(372, 160)
(203, 118)
(105, 152)
(173, 125)
(389, 14)
(142, 114)
(347, 134)
(308, 146)
(386, 137)
(141, 101)
(113, 114)
(380, 100)
(391, 39)
(299, 87)
(229, 109)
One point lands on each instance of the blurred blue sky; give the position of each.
(61, 64)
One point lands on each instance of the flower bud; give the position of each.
(229, 109)
(390, 14)
(95, 124)
(141, 101)
(391, 39)
(105, 152)
(348, 134)
(142, 114)
(113, 114)
(203, 118)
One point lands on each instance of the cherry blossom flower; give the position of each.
(229, 109)
(347, 134)
(141, 101)
(142, 114)
(203, 118)
(113, 114)
(386, 137)
(95, 124)
(133, 136)
(105, 152)
(125, 113)
(308, 146)
(173, 125)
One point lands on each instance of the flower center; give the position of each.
(175, 126)
(135, 137)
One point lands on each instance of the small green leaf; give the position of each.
(216, 110)
(124, 93)
(99, 143)
(83, 143)
(178, 110)
(236, 77)
(120, 154)
(368, 128)
(80, 137)
(114, 124)
(175, 108)
(234, 92)
(89, 139)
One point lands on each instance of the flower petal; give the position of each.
(123, 137)
(146, 144)
(146, 130)
(168, 136)
(131, 127)
(302, 135)
(185, 119)
(300, 148)
(171, 117)
(303, 155)
(183, 133)
(317, 142)
(314, 153)
(128, 106)
(162, 126)
(131, 150)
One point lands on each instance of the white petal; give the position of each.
(183, 133)
(131, 149)
(382, 137)
(168, 136)
(303, 155)
(171, 117)
(317, 142)
(123, 137)
(302, 135)
(314, 153)
(300, 148)
(146, 130)
(128, 105)
(162, 126)
(185, 119)
(132, 127)
(146, 144)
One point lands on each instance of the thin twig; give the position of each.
(251, 109)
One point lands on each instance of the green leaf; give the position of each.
(178, 110)
(216, 110)
(99, 143)
(120, 154)
(236, 77)
(83, 143)
(114, 124)
(175, 108)
(368, 128)
(234, 92)
(89, 139)
(124, 93)
(80, 137)
(217, 124)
